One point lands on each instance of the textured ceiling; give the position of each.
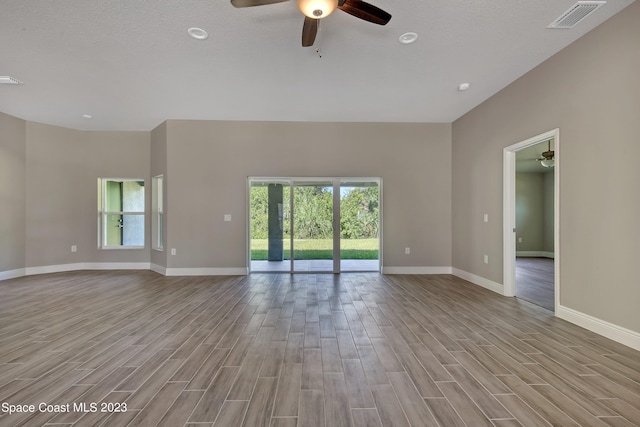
(131, 64)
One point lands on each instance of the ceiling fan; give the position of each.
(547, 158)
(314, 10)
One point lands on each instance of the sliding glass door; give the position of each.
(314, 224)
(270, 225)
(359, 225)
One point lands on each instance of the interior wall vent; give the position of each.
(8, 80)
(576, 13)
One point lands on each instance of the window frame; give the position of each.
(157, 213)
(103, 214)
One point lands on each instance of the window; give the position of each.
(157, 218)
(121, 213)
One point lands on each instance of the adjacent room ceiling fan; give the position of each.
(547, 158)
(314, 10)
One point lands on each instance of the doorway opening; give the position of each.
(319, 225)
(531, 220)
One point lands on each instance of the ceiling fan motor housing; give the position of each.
(317, 9)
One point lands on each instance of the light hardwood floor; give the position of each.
(358, 349)
(535, 281)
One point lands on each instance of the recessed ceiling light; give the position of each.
(408, 38)
(198, 33)
(464, 86)
(87, 116)
(8, 80)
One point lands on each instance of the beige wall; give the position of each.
(63, 166)
(12, 192)
(534, 212)
(530, 211)
(206, 165)
(548, 188)
(589, 91)
(209, 162)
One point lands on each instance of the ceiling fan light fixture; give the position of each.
(548, 159)
(548, 163)
(317, 9)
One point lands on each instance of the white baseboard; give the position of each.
(158, 269)
(416, 270)
(609, 330)
(535, 254)
(234, 271)
(87, 266)
(480, 281)
(29, 271)
(12, 274)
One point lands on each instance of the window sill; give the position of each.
(111, 248)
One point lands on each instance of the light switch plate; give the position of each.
(227, 217)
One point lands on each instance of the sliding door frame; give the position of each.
(336, 183)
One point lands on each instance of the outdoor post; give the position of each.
(276, 252)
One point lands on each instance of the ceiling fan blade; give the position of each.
(365, 11)
(251, 3)
(309, 31)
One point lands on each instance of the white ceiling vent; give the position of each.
(576, 13)
(8, 80)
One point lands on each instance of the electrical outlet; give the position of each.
(519, 239)
(173, 251)
(227, 217)
(486, 259)
(486, 217)
(74, 248)
(407, 251)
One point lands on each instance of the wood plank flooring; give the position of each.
(279, 350)
(535, 281)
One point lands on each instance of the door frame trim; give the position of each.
(509, 212)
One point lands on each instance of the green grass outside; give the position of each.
(319, 249)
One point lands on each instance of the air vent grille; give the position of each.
(576, 13)
(8, 80)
